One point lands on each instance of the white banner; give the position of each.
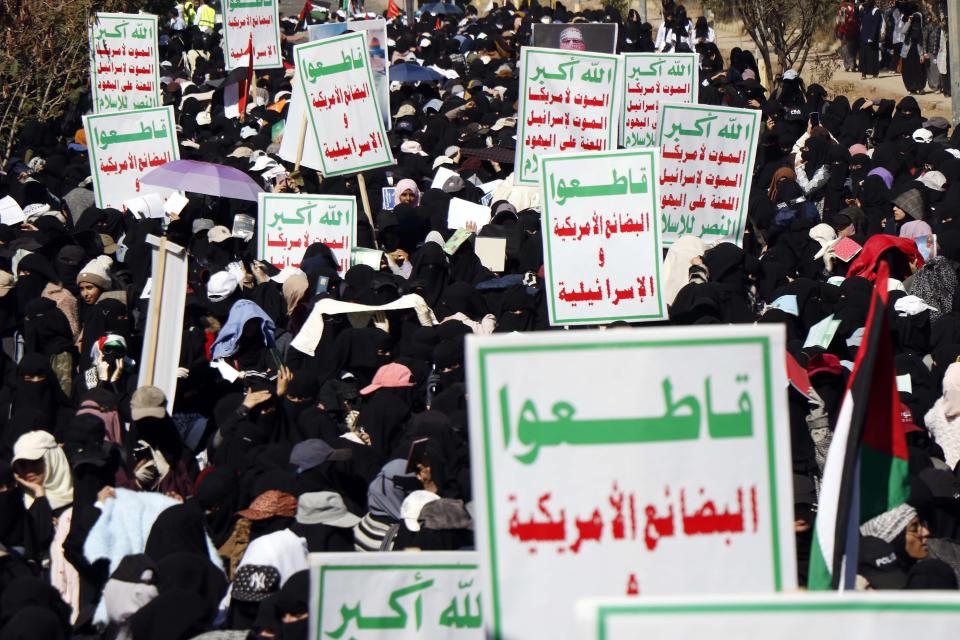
(395, 595)
(124, 62)
(291, 222)
(241, 18)
(648, 80)
(621, 462)
(601, 241)
(335, 89)
(706, 165)
(568, 101)
(125, 145)
(871, 615)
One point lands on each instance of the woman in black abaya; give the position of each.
(914, 73)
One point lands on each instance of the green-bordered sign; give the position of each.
(873, 615)
(335, 89)
(256, 21)
(706, 164)
(627, 461)
(649, 79)
(601, 237)
(386, 596)
(288, 223)
(125, 145)
(568, 103)
(124, 62)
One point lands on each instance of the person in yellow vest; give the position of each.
(187, 12)
(206, 17)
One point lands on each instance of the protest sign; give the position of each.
(568, 101)
(596, 37)
(10, 211)
(462, 212)
(871, 615)
(163, 333)
(125, 145)
(492, 253)
(670, 475)
(124, 62)
(706, 163)
(291, 222)
(395, 595)
(143, 207)
(376, 33)
(259, 19)
(601, 243)
(335, 86)
(648, 80)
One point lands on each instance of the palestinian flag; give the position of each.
(866, 469)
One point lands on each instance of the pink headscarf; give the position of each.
(111, 420)
(408, 185)
(915, 229)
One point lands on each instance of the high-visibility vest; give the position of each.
(187, 12)
(206, 17)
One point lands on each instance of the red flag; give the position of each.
(305, 11)
(393, 10)
(438, 25)
(245, 85)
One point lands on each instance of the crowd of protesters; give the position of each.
(119, 519)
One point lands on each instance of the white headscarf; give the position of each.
(676, 266)
(57, 481)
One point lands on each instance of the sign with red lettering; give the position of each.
(124, 62)
(624, 462)
(706, 163)
(568, 102)
(291, 222)
(124, 146)
(601, 237)
(241, 18)
(649, 79)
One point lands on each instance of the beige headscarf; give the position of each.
(676, 266)
(57, 481)
(294, 288)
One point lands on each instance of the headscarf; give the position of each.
(57, 481)
(294, 290)
(408, 185)
(384, 497)
(676, 266)
(936, 284)
(951, 391)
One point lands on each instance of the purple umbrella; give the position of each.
(204, 177)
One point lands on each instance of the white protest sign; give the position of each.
(462, 212)
(608, 463)
(568, 101)
(441, 176)
(334, 86)
(291, 222)
(10, 211)
(601, 240)
(648, 80)
(148, 206)
(369, 257)
(175, 203)
(124, 62)
(163, 333)
(125, 145)
(410, 596)
(492, 252)
(259, 19)
(706, 164)
(870, 615)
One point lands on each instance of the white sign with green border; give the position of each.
(568, 102)
(259, 19)
(335, 88)
(601, 237)
(288, 223)
(706, 165)
(386, 596)
(124, 62)
(627, 461)
(649, 79)
(125, 145)
(873, 615)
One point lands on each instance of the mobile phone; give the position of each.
(417, 455)
(815, 119)
(322, 283)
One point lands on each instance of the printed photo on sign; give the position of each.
(706, 165)
(598, 38)
(669, 475)
(601, 241)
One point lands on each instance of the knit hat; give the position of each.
(911, 202)
(97, 273)
(887, 526)
(269, 504)
(148, 402)
(391, 376)
(255, 583)
(325, 507)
